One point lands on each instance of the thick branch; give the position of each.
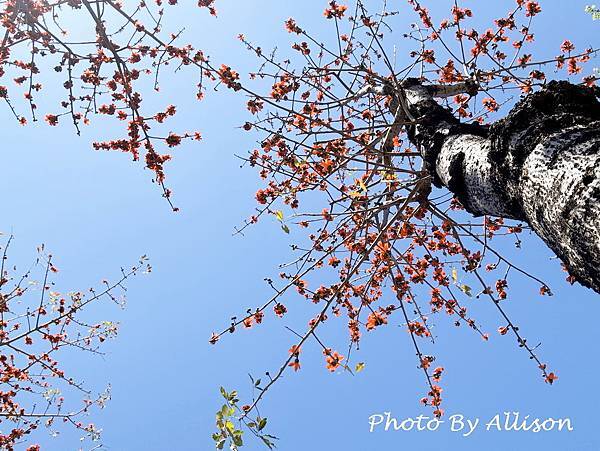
(540, 164)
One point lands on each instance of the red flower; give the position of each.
(335, 10)
(229, 77)
(532, 8)
(292, 27)
(52, 119)
(490, 104)
(173, 140)
(567, 46)
(437, 373)
(376, 319)
(333, 359)
(280, 309)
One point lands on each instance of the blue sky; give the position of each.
(99, 211)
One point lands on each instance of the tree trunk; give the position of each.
(540, 165)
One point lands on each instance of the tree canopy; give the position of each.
(378, 236)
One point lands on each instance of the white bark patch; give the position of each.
(464, 164)
(560, 185)
(416, 94)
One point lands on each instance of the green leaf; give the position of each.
(285, 228)
(466, 289)
(262, 423)
(237, 439)
(594, 11)
(224, 412)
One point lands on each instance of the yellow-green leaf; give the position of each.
(279, 215)
(466, 289)
(359, 367)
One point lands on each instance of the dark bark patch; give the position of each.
(456, 183)
(557, 106)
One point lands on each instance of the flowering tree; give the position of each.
(99, 68)
(37, 323)
(360, 151)
(392, 164)
(38, 327)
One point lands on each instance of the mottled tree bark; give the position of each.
(540, 164)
